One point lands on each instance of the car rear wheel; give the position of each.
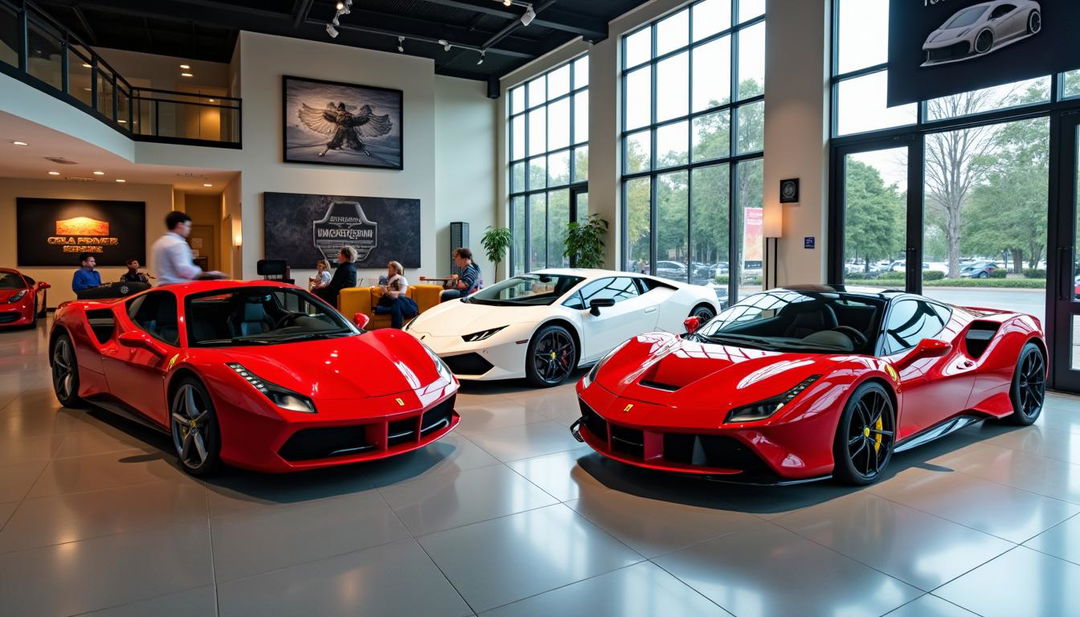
(703, 312)
(551, 356)
(984, 42)
(1028, 386)
(865, 436)
(1034, 23)
(65, 372)
(982, 275)
(194, 428)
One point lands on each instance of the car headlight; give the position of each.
(440, 366)
(19, 295)
(481, 335)
(587, 380)
(282, 397)
(763, 409)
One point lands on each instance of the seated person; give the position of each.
(344, 276)
(467, 282)
(133, 275)
(86, 277)
(321, 278)
(393, 300)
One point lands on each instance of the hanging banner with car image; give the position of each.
(942, 47)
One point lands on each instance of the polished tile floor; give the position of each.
(510, 516)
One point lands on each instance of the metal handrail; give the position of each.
(106, 105)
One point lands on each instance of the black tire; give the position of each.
(1034, 22)
(865, 436)
(1028, 391)
(984, 42)
(65, 371)
(982, 275)
(194, 428)
(551, 356)
(703, 312)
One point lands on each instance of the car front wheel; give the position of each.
(194, 428)
(551, 356)
(865, 436)
(703, 313)
(1028, 386)
(65, 372)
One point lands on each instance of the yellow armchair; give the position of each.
(354, 300)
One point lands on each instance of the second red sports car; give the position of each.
(22, 299)
(799, 384)
(255, 374)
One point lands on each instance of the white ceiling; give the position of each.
(29, 162)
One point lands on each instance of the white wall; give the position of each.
(158, 200)
(796, 131)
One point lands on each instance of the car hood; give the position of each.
(948, 35)
(666, 369)
(457, 318)
(377, 363)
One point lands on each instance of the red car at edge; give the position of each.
(256, 374)
(799, 384)
(21, 299)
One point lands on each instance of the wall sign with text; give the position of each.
(943, 47)
(54, 232)
(303, 229)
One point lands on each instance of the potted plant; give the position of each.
(585, 242)
(496, 242)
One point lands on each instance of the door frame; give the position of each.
(1061, 305)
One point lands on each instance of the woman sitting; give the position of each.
(393, 299)
(321, 278)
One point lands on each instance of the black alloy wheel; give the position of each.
(984, 42)
(65, 372)
(866, 435)
(1034, 24)
(1028, 389)
(551, 357)
(703, 313)
(194, 428)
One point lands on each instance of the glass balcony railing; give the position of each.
(39, 51)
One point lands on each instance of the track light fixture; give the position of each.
(481, 60)
(507, 2)
(336, 20)
(529, 16)
(401, 44)
(445, 44)
(331, 30)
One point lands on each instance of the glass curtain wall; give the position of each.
(692, 145)
(549, 157)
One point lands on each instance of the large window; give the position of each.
(549, 163)
(692, 140)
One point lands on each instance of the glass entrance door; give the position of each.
(1063, 305)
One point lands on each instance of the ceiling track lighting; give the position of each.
(331, 30)
(529, 16)
(481, 60)
(445, 44)
(401, 44)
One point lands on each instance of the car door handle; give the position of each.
(651, 309)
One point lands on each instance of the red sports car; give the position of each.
(22, 299)
(800, 384)
(256, 374)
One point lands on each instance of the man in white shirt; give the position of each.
(172, 254)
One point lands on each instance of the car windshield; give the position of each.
(10, 280)
(260, 316)
(965, 18)
(527, 289)
(804, 321)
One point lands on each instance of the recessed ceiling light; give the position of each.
(208, 185)
(19, 143)
(211, 100)
(121, 180)
(186, 75)
(185, 66)
(54, 173)
(86, 89)
(122, 121)
(86, 66)
(99, 173)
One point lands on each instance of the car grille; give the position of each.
(8, 317)
(468, 364)
(952, 52)
(680, 449)
(337, 441)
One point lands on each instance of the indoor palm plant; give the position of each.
(585, 242)
(496, 242)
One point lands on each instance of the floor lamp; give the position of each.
(773, 229)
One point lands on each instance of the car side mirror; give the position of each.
(691, 324)
(596, 304)
(361, 320)
(140, 340)
(927, 348)
(43, 285)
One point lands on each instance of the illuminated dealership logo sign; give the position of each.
(345, 224)
(82, 234)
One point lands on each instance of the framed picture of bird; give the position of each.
(333, 123)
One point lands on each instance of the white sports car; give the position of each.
(982, 28)
(543, 325)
